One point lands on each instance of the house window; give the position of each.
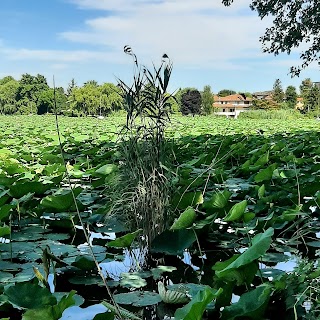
(232, 110)
(223, 110)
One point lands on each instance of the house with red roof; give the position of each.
(232, 105)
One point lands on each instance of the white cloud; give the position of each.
(169, 5)
(193, 33)
(59, 56)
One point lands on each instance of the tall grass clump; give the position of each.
(271, 114)
(144, 186)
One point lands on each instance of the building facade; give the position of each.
(232, 105)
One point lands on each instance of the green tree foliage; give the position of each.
(92, 99)
(312, 100)
(29, 90)
(46, 101)
(191, 102)
(207, 100)
(305, 87)
(294, 22)
(311, 96)
(291, 97)
(6, 79)
(32, 95)
(110, 98)
(86, 99)
(93, 83)
(277, 94)
(264, 105)
(225, 92)
(71, 86)
(180, 92)
(174, 105)
(8, 91)
(246, 94)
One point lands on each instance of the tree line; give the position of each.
(32, 95)
(280, 99)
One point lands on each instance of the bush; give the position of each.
(272, 114)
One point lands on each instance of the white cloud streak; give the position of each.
(194, 33)
(61, 56)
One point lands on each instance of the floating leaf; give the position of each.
(138, 298)
(84, 262)
(159, 270)
(61, 202)
(173, 242)
(132, 280)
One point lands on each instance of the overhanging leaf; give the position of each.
(260, 244)
(185, 220)
(106, 169)
(51, 312)
(251, 304)
(124, 241)
(218, 200)
(29, 296)
(4, 231)
(265, 174)
(196, 307)
(237, 211)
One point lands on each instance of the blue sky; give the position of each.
(84, 39)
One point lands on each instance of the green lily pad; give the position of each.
(60, 202)
(132, 280)
(173, 242)
(138, 298)
(84, 262)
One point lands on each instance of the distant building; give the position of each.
(232, 105)
(263, 95)
(299, 105)
(317, 84)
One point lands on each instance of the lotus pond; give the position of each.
(243, 243)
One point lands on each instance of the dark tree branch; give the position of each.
(295, 22)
